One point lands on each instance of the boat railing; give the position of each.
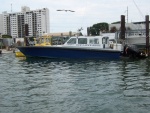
(93, 45)
(42, 41)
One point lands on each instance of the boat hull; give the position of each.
(19, 54)
(64, 52)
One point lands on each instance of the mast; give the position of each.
(11, 8)
(127, 14)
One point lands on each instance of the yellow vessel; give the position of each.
(19, 54)
(41, 41)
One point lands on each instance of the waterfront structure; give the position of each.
(129, 26)
(135, 33)
(34, 22)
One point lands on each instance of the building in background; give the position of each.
(25, 23)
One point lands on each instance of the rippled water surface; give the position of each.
(73, 86)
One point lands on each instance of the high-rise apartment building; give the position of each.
(25, 23)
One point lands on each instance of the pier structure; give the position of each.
(131, 49)
(147, 35)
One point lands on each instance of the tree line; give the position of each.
(103, 27)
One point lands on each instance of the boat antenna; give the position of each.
(78, 31)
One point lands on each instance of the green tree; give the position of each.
(96, 28)
(113, 29)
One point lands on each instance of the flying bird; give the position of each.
(65, 10)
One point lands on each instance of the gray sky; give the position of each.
(87, 12)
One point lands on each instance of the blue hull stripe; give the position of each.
(62, 52)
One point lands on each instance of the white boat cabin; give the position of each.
(101, 42)
(94, 41)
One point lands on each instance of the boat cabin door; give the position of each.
(105, 41)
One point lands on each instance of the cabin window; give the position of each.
(48, 40)
(104, 40)
(94, 41)
(42, 40)
(72, 41)
(82, 40)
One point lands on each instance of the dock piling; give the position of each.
(147, 34)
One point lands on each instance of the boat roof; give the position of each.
(110, 35)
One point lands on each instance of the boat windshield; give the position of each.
(72, 41)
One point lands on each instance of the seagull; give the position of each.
(71, 11)
(65, 10)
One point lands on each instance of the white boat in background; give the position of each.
(134, 37)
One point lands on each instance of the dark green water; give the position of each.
(73, 86)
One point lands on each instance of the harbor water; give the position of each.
(73, 86)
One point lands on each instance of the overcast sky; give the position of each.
(87, 12)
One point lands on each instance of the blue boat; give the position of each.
(85, 47)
